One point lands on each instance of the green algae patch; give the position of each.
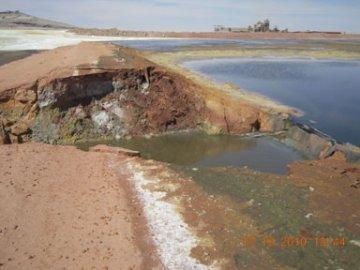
(282, 213)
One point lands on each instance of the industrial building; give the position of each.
(260, 26)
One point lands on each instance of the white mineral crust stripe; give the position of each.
(13, 40)
(169, 232)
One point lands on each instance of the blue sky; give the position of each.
(192, 15)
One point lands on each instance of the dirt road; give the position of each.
(62, 208)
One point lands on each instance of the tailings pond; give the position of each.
(327, 91)
(264, 154)
(181, 43)
(176, 44)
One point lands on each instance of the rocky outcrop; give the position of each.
(104, 104)
(25, 96)
(309, 142)
(17, 19)
(71, 91)
(228, 114)
(316, 144)
(4, 136)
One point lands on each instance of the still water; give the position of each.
(174, 44)
(327, 91)
(178, 44)
(200, 150)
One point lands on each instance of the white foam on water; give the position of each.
(15, 40)
(168, 230)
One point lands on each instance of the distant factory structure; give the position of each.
(260, 26)
(264, 26)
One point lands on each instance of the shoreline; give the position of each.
(174, 60)
(216, 35)
(211, 208)
(228, 88)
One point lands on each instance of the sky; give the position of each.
(195, 15)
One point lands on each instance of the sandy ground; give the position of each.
(62, 208)
(87, 57)
(61, 61)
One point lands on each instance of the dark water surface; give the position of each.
(327, 91)
(9, 56)
(201, 150)
(175, 44)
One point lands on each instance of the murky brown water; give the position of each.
(201, 150)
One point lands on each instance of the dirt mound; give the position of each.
(99, 90)
(85, 58)
(17, 19)
(92, 90)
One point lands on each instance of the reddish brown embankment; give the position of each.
(100, 90)
(64, 208)
(335, 184)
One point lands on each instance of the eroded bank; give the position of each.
(116, 94)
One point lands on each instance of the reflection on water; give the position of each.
(328, 91)
(200, 150)
(175, 44)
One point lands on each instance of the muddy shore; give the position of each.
(301, 137)
(105, 209)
